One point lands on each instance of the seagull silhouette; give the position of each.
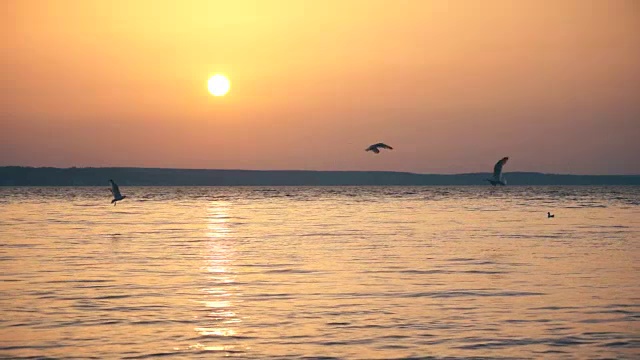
(550, 215)
(115, 190)
(498, 179)
(376, 147)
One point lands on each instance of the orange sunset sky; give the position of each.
(452, 85)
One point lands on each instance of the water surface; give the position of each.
(344, 272)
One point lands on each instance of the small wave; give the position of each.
(436, 271)
(455, 294)
(209, 337)
(622, 344)
(507, 343)
(555, 308)
(289, 271)
(152, 355)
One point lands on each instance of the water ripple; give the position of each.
(320, 273)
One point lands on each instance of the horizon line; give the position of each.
(306, 170)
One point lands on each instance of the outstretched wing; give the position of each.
(115, 190)
(384, 146)
(497, 169)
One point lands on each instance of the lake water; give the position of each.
(335, 272)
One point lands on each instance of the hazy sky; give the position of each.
(452, 85)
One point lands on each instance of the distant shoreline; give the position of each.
(126, 176)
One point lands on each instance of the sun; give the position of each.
(218, 85)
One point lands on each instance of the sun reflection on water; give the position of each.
(219, 293)
(217, 220)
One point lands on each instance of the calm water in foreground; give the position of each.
(344, 272)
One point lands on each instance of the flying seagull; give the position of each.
(498, 179)
(115, 190)
(376, 147)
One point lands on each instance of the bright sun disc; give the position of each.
(218, 85)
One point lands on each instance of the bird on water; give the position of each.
(550, 215)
